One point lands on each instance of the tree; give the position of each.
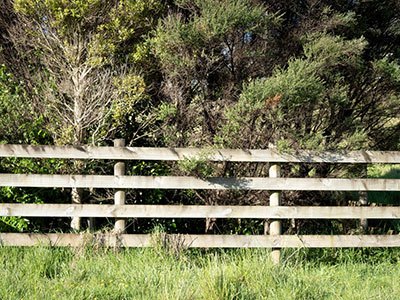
(82, 85)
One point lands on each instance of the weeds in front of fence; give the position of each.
(66, 273)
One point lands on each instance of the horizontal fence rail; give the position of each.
(201, 241)
(185, 182)
(199, 211)
(176, 154)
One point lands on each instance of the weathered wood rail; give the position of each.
(273, 183)
(193, 183)
(175, 154)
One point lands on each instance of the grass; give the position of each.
(65, 273)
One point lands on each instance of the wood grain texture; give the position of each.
(119, 194)
(201, 241)
(175, 154)
(275, 228)
(217, 183)
(199, 211)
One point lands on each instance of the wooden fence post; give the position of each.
(119, 196)
(363, 200)
(275, 226)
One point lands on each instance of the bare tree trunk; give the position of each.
(76, 193)
(78, 95)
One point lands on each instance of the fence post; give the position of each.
(275, 226)
(363, 200)
(119, 195)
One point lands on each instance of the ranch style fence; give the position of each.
(273, 183)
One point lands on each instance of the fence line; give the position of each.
(274, 183)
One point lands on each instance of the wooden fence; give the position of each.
(273, 183)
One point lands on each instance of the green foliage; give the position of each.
(199, 166)
(149, 169)
(64, 10)
(202, 47)
(66, 17)
(298, 104)
(127, 21)
(218, 18)
(27, 195)
(182, 45)
(328, 51)
(389, 69)
(9, 104)
(17, 126)
(10, 224)
(131, 89)
(18, 123)
(9, 88)
(196, 167)
(166, 111)
(16, 195)
(112, 25)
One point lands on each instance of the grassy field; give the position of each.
(63, 273)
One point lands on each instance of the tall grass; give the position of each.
(64, 273)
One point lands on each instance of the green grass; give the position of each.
(64, 273)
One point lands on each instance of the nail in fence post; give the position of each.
(275, 226)
(119, 196)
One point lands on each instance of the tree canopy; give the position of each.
(300, 74)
